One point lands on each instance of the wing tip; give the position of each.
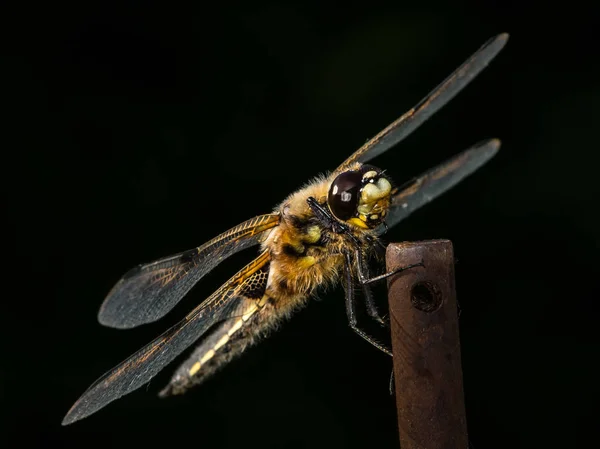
(107, 320)
(484, 150)
(495, 44)
(72, 415)
(67, 420)
(499, 40)
(492, 145)
(503, 37)
(110, 316)
(82, 408)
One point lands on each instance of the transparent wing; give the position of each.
(438, 180)
(147, 292)
(429, 105)
(236, 297)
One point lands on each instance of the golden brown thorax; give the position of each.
(304, 254)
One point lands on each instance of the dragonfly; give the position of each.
(320, 235)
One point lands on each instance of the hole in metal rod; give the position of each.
(426, 296)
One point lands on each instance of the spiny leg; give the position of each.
(365, 280)
(351, 307)
(393, 272)
(363, 276)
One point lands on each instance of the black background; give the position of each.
(140, 129)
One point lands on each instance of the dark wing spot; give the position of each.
(255, 287)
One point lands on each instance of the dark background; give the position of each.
(140, 129)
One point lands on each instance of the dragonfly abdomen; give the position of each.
(228, 340)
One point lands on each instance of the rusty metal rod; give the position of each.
(426, 347)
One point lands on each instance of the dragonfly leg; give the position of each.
(351, 308)
(383, 276)
(363, 276)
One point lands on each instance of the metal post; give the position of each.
(425, 343)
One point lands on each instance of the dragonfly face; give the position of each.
(316, 236)
(360, 196)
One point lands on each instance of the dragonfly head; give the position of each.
(360, 197)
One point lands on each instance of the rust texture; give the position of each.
(426, 347)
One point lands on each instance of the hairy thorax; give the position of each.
(304, 254)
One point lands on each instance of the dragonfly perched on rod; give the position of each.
(317, 236)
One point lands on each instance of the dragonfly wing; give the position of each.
(237, 297)
(148, 292)
(438, 180)
(429, 105)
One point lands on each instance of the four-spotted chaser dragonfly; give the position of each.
(318, 235)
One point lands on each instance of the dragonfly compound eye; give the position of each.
(344, 194)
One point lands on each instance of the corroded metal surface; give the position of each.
(425, 343)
